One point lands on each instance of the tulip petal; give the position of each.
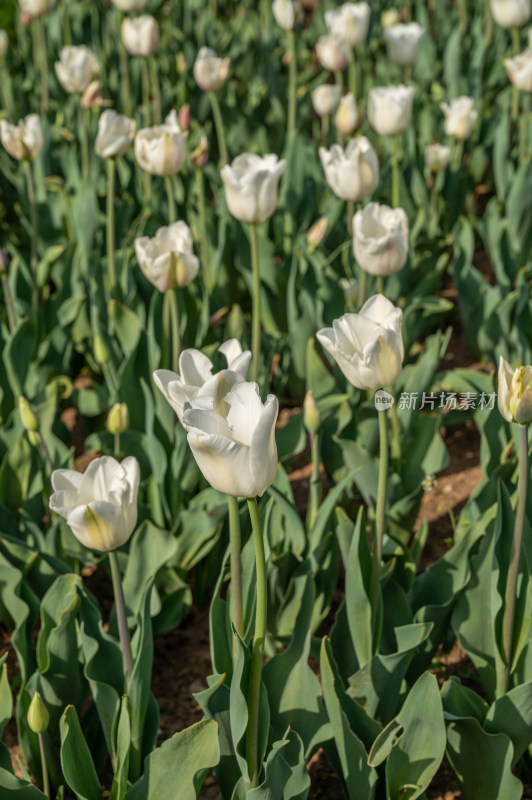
(263, 451)
(102, 527)
(224, 463)
(245, 409)
(194, 367)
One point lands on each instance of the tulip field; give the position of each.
(265, 399)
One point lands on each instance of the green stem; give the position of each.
(265, 11)
(408, 10)
(176, 339)
(523, 129)
(34, 238)
(210, 279)
(83, 135)
(111, 263)
(219, 125)
(516, 47)
(8, 300)
(167, 336)
(362, 287)
(515, 558)
(236, 574)
(339, 78)
(433, 204)
(350, 211)
(155, 89)
(325, 122)
(379, 524)
(125, 82)
(45, 453)
(488, 24)
(213, 9)
(380, 284)
(315, 482)
(123, 632)
(353, 83)
(43, 57)
(146, 99)
(44, 767)
(396, 195)
(5, 90)
(292, 83)
(255, 304)
(252, 736)
(458, 154)
(171, 200)
(462, 14)
(116, 448)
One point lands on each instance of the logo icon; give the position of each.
(383, 400)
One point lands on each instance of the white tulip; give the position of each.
(251, 186)
(209, 70)
(325, 98)
(234, 446)
(4, 44)
(99, 505)
(36, 7)
(511, 13)
(332, 53)
(286, 13)
(76, 68)
(168, 260)
(353, 173)
(115, 134)
(437, 157)
(349, 21)
(140, 35)
(460, 117)
(368, 346)
(514, 393)
(130, 6)
(348, 116)
(380, 239)
(402, 43)
(390, 109)
(195, 384)
(519, 70)
(23, 141)
(160, 150)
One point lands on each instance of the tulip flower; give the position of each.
(4, 44)
(130, 6)
(234, 446)
(368, 346)
(437, 157)
(332, 52)
(251, 186)
(100, 505)
(514, 395)
(347, 116)
(210, 72)
(160, 150)
(23, 141)
(195, 378)
(118, 419)
(390, 109)
(402, 43)
(38, 720)
(380, 239)
(353, 173)
(76, 68)
(167, 260)
(511, 13)
(36, 7)
(519, 70)
(349, 21)
(325, 98)
(140, 35)
(286, 13)
(460, 117)
(390, 18)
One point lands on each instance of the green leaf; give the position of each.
(518, 208)
(286, 776)
(6, 698)
(176, 762)
(76, 759)
(512, 714)
(357, 592)
(123, 741)
(13, 788)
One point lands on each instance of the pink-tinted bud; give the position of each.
(25, 17)
(183, 117)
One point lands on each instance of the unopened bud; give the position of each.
(34, 438)
(92, 96)
(311, 414)
(38, 717)
(25, 18)
(118, 419)
(390, 18)
(183, 117)
(4, 261)
(181, 63)
(350, 290)
(317, 233)
(101, 352)
(29, 420)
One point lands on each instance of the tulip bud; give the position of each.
(118, 419)
(210, 71)
(92, 96)
(389, 18)
(350, 289)
(199, 157)
(4, 261)
(317, 233)
(38, 717)
(514, 396)
(29, 420)
(325, 98)
(183, 117)
(25, 18)
(311, 414)
(348, 116)
(101, 352)
(332, 53)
